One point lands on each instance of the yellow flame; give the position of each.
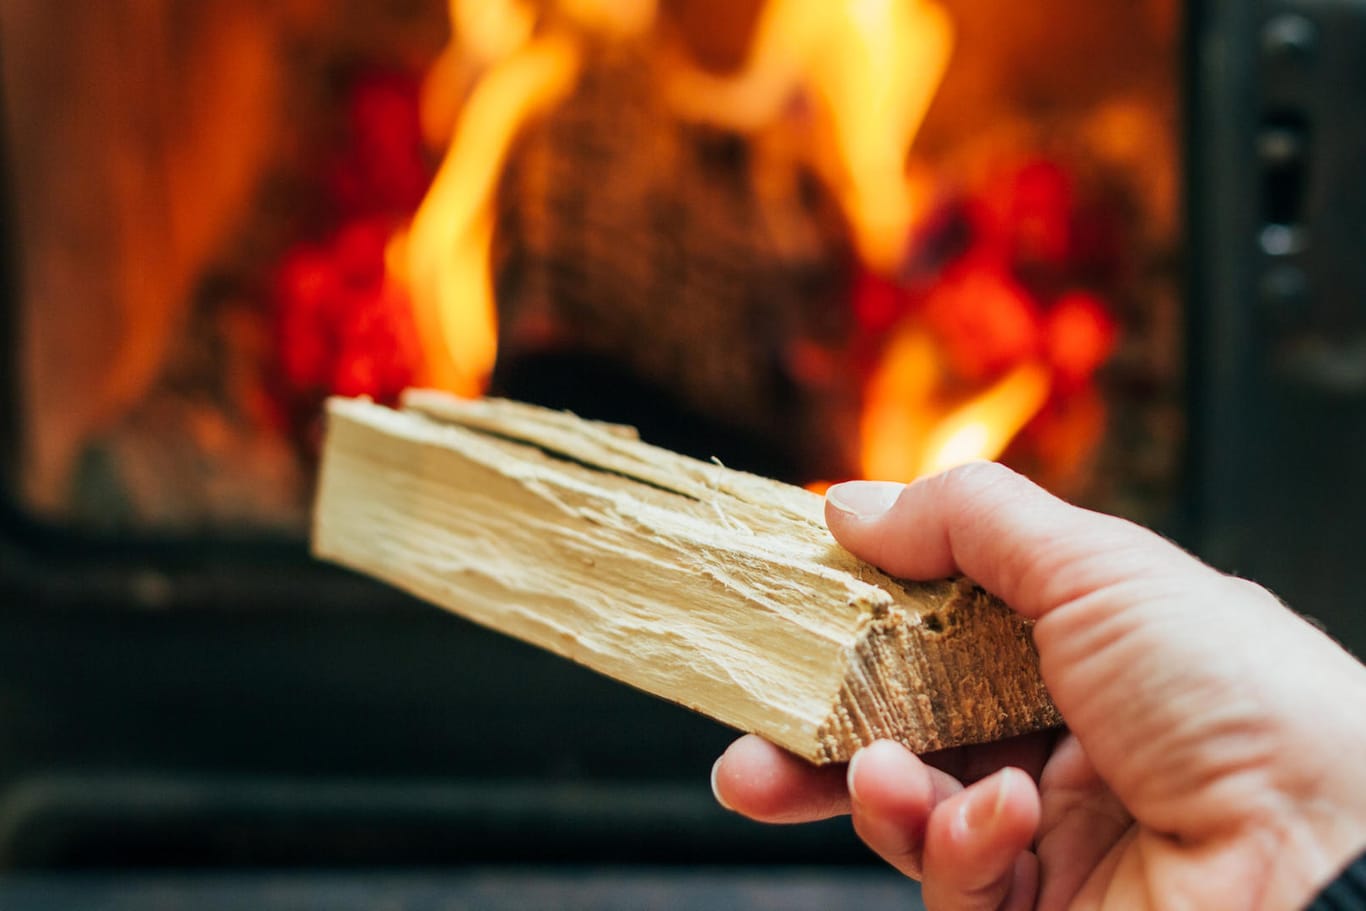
(878, 79)
(519, 69)
(899, 407)
(610, 18)
(908, 432)
(443, 257)
(874, 65)
(982, 428)
(490, 30)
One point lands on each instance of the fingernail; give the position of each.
(864, 499)
(986, 808)
(715, 791)
(849, 776)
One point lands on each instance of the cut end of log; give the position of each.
(947, 675)
(718, 590)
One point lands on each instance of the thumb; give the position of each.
(983, 520)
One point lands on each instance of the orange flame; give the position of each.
(443, 256)
(909, 432)
(985, 425)
(874, 66)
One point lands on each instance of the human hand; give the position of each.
(1216, 747)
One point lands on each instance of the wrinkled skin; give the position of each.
(1215, 755)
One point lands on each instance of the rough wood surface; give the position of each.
(715, 589)
(626, 233)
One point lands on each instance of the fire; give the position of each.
(874, 66)
(974, 355)
(984, 350)
(443, 257)
(910, 429)
(984, 426)
(878, 77)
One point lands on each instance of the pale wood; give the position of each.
(715, 589)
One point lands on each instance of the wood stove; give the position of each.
(1119, 249)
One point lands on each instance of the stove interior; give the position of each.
(871, 238)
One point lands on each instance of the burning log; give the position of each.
(718, 590)
(700, 261)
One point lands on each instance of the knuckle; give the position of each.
(977, 479)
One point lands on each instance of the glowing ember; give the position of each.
(345, 328)
(984, 350)
(343, 325)
(1080, 334)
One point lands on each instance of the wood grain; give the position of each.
(718, 590)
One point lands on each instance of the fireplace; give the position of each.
(1116, 247)
(820, 241)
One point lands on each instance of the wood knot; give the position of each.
(941, 621)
